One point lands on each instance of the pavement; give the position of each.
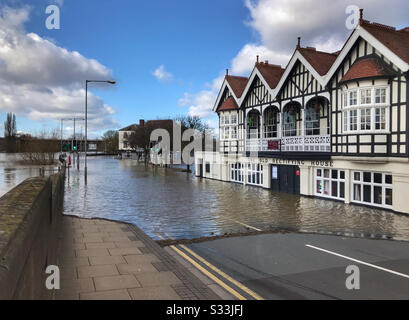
(108, 260)
(306, 266)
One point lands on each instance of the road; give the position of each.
(305, 266)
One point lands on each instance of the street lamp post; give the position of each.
(86, 119)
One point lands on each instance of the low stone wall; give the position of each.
(29, 221)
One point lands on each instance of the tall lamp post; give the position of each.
(86, 118)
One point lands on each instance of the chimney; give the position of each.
(227, 72)
(141, 122)
(266, 62)
(299, 43)
(361, 16)
(256, 59)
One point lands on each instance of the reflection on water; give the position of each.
(164, 200)
(12, 172)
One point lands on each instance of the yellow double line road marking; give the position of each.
(215, 269)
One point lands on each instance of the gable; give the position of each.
(257, 94)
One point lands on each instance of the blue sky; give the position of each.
(168, 57)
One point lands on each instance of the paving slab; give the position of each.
(108, 260)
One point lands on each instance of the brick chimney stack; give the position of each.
(299, 43)
(361, 16)
(141, 122)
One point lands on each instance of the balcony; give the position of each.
(295, 143)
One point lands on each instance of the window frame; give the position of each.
(372, 184)
(330, 180)
(348, 126)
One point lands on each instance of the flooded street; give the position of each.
(160, 200)
(12, 172)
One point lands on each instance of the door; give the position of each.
(286, 179)
(201, 170)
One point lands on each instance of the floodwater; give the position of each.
(12, 172)
(160, 200)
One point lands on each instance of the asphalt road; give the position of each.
(282, 266)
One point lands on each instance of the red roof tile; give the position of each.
(237, 84)
(367, 68)
(396, 40)
(271, 73)
(319, 60)
(228, 104)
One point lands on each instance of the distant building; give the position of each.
(125, 133)
(123, 136)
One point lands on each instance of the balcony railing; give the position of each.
(294, 143)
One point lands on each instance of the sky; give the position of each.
(168, 58)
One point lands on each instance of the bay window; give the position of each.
(368, 113)
(228, 127)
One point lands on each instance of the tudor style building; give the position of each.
(330, 125)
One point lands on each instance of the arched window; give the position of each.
(271, 117)
(312, 117)
(290, 116)
(253, 125)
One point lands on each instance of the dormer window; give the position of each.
(369, 113)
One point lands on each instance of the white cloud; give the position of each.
(41, 80)
(162, 75)
(243, 63)
(199, 103)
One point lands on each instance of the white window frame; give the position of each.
(329, 179)
(346, 118)
(237, 170)
(227, 125)
(372, 185)
(254, 170)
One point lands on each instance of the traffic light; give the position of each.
(74, 145)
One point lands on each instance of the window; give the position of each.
(207, 166)
(369, 113)
(228, 127)
(380, 95)
(233, 133)
(290, 123)
(226, 133)
(236, 172)
(255, 174)
(353, 97)
(253, 125)
(353, 120)
(366, 96)
(270, 123)
(372, 188)
(330, 183)
(365, 119)
(380, 119)
(312, 121)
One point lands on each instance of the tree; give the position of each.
(110, 139)
(140, 139)
(10, 132)
(191, 122)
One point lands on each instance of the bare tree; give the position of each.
(110, 139)
(10, 132)
(140, 139)
(191, 122)
(41, 149)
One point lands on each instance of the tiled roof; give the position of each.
(237, 84)
(319, 60)
(396, 40)
(131, 127)
(228, 104)
(271, 73)
(367, 68)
